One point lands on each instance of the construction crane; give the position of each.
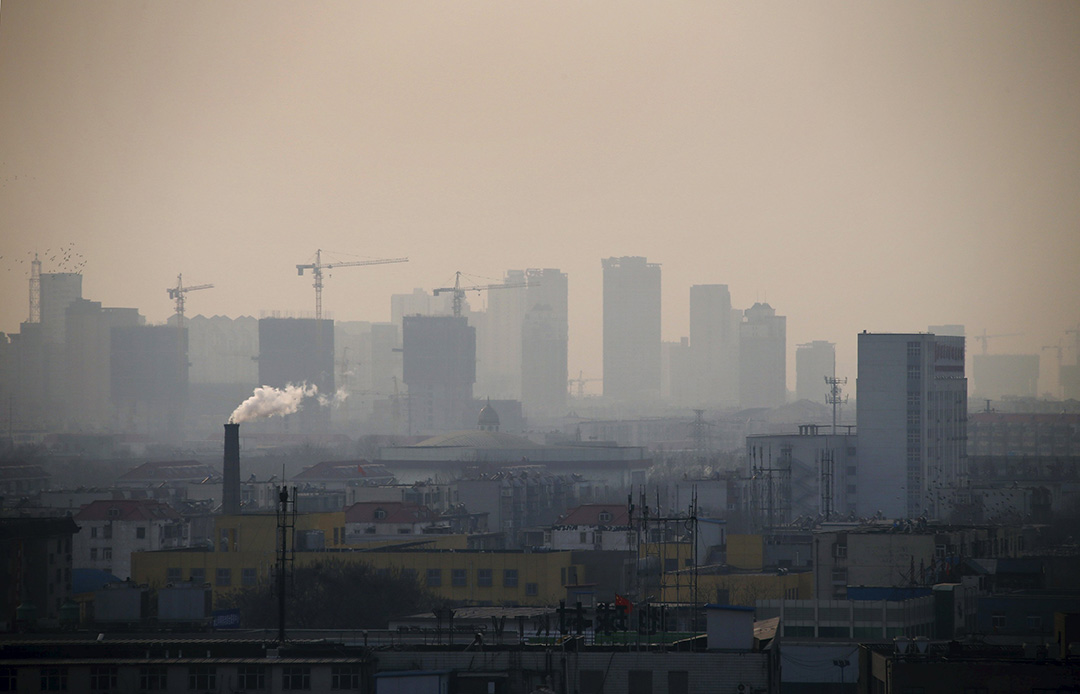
(177, 293)
(317, 270)
(984, 337)
(580, 381)
(459, 291)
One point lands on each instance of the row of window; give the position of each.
(459, 578)
(200, 677)
(223, 577)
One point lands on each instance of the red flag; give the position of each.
(623, 603)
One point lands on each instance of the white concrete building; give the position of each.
(912, 424)
(110, 530)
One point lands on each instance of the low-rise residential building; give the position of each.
(378, 519)
(595, 526)
(112, 529)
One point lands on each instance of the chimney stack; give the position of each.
(230, 483)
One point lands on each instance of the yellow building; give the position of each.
(746, 588)
(745, 552)
(468, 577)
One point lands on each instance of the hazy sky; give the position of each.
(880, 166)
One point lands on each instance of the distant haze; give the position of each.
(881, 166)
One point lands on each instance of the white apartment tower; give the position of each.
(912, 424)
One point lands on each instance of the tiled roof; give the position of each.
(476, 439)
(343, 470)
(589, 514)
(169, 471)
(126, 510)
(13, 470)
(394, 512)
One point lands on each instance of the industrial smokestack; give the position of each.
(230, 483)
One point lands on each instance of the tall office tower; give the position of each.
(912, 424)
(762, 357)
(498, 340)
(814, 362)
(714, 345)
(439, 370)
(631, 328)
(544, 343)
(57, 291)
(298, 351)
(148, 372)
(88, 335)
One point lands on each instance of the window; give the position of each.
(198, 575)
(202, 677)
(248, 577)
(1034, 622)
(345, 677)
(106, 553)
(223, 578)
(107, 534)
(103, 677)
(93, 533)
(458, 578)
(639, 682)
(678, 682)
(153, 678)
(251, 677)
(380, 514)
(582, 538)
(532, 589)
(173, 574)
(9, 679)
(54, 679)
(296, 678)
(434, 578)
(140, 533)
(671, 565)
(605, 516)
(510, 578)
(483, 578)
(997, 621)
(93, 553)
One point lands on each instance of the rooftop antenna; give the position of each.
(834, 398)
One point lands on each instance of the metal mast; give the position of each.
(834, 398)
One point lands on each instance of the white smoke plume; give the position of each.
(272, 402)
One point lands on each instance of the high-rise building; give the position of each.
(148, 371)
(439, 369)
(714, 345)
(544, 343)
(911, 423)
(632, 359)
(87, 404)
(299, 351)
(498, 340)
(814, 362)
(762, 357)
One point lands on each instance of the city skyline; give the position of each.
(874, 168)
